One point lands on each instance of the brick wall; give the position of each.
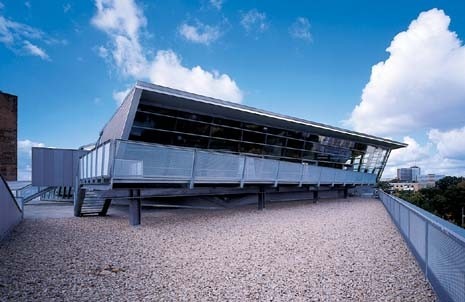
(8, 135)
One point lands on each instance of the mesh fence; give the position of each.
(438, 246)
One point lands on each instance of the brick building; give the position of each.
(8, 135)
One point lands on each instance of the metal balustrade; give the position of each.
(438, 246)
(132, 161)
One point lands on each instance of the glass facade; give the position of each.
(181, 128)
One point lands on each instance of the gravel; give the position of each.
(330, 251)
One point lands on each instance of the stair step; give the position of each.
(89, 213)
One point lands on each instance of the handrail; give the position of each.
(425, 217)
(437, 245)
(285, 171)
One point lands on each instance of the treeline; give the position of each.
(445, 200)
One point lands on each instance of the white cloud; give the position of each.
(119, 96)
(66, 7)
(123, 21)
(218, 4)
(254, 21)
(35, 50)
(450, 144)
(18, 36)
(25, 158)
(420, 85)
(27, 4)
(102, 52)
(25, 146)
(428, 157)
(300, 29)
(199, 33)
(167, 70)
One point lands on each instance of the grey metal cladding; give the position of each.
(117, 126)
(55, 167)
(131, 114)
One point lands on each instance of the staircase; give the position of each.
(93, 205)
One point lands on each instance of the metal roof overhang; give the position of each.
(172, 98)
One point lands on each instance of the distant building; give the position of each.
(415, 173)
(430, 178)
(411, 186)
(419, 182)
(408, 174)
(8, 136)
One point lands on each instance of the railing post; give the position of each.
(301, 174)
(319, 177)
(112, 159)
(194, 159)
(277, 174)
(243, 172)
(426, 248)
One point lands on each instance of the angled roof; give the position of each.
(121, 122)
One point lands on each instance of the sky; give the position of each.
(394, 69)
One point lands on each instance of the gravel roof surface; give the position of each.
(330, 251)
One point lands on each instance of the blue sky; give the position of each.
(69, 62)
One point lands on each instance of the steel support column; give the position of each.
(105, 207)
(261, 198)
(134, 207)
(79, 196)
(346, 193)
(315, 196)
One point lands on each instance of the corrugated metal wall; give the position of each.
(55, 167)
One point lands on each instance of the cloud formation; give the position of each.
(199, 33)
(18, 36)
(420, 85)
(25, 158)
(123, 21)
(167, 70)
(218, 4)
(300, 29)
(419, 89)
(254, 21)
(450, 144)
(431, 157)
(35, 50)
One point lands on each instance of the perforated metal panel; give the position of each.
(311, 174)
(404, 220)
(154, 161)
(260, 170)
(327, 175)
(218, 166)
(290, 172)
(446, 264)
(438, 246)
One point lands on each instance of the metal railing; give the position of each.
(438, 246)
(138, 161)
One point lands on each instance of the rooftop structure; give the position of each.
(163, 141)
(8, 136)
